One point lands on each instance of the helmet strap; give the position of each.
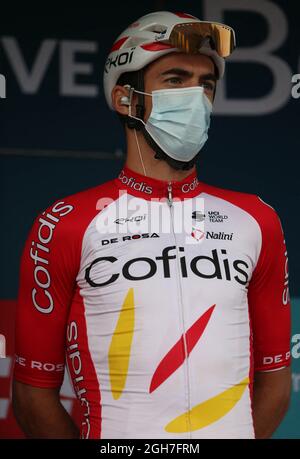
(133, 123)
(161, 155)
(140, 107)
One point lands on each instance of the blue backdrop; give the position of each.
(57, 136)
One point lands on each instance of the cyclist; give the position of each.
(168, 333)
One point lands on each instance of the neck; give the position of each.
(154, 168)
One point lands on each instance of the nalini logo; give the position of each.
(2, 347)
(2, 87)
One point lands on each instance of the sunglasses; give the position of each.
(190, 37)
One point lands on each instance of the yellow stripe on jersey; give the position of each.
(209, 411)
(120, 346)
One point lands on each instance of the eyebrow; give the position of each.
(185, 73)
(177, 71)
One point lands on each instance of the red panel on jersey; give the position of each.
(175, 357)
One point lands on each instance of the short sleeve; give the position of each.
(46, 285)
(268, 296)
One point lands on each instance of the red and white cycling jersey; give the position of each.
(163, 298)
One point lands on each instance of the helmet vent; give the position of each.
(135, 41)
(157, 28)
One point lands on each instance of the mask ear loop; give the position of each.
(131, 91)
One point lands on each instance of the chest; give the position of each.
(202, 244)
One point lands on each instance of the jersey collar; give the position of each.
(148, 188)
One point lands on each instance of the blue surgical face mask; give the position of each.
(179, 121)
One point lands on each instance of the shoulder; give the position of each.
(89, 197)
(85, 203)
(67, 218)
(264, 214)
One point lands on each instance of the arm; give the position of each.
(270, 400)
(40, 414)
(47, 281)
(269, 307)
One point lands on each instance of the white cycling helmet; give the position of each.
(163, 32)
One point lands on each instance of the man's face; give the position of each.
(179, 70)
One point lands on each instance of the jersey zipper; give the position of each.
(186, 362)
(170, 195)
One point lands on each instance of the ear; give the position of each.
(116, 96)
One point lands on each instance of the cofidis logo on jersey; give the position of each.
(135, 184)
(215, 266)
(286, 291)
(40, 253)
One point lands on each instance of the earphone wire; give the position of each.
(140, 153)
